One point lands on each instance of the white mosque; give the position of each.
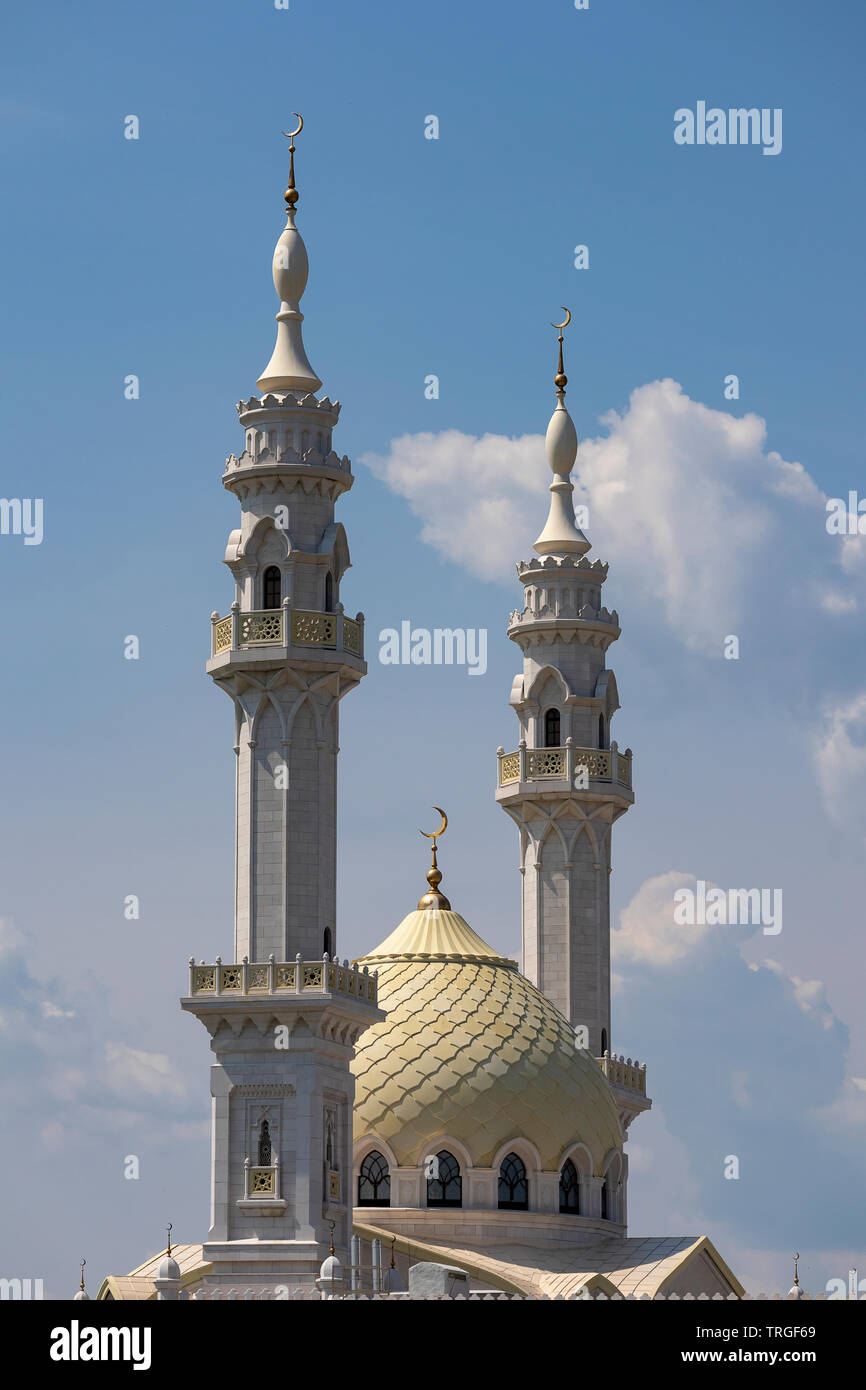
(427, 1118)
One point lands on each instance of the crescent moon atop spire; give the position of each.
(567, 319)
(290, 135)
(434, 834)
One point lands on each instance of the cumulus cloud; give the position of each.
(746, 1060)
(839, 755)
(130, 1070)
(685, 501)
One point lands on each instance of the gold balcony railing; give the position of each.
(539, 764)
(267, 627)
(282, 977)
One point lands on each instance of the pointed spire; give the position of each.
(82, 1295)
(289, 368)
(561, 535)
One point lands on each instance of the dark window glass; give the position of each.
(569, 1189)
(603, 1041)
(601, 742)
(513, 1187)
(326, 941)
(446, 1189)
(264, 1145)
(604, 1201)
(551, 729)
(374, 1181)
(272, 588)
(329, 593)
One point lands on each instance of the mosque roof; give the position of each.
(470, 1050)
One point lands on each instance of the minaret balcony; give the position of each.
(558, 769)
(280, 978)
(627, 1080)
(258, 630)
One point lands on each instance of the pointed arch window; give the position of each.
(374, 1181)
(551, 729)
(327, 941)
(603, 1041)
(605, 1201)
(513, 1186)
(265, 1149)
(602, 735)
(445, 1185)
(329, 592)
(569, 1189)
(272, 586)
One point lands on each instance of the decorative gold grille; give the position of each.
(284, 977)
(623, 769)
(596, 762)
(257, 977)
(231, 977)
(510, 769)
(261, 628)
(314, 629)
(262, 1180)
(311, 977)
(546, 762)
(222, 635)
(204, 978)
(334, 1185)
(352, 636)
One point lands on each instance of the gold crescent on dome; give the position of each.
(434, 834)
(290, 135)
(560, 326)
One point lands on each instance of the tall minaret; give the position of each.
(286, 654)
(283, 1018)
(567, 782)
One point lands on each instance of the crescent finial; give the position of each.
(290, 135)
(434, 834)
(291, 195)
(560, 326)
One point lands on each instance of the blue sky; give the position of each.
(449, 257)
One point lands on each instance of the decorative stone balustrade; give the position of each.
(538, 764)
(268, 627)
(622, 1071)
(323, 976)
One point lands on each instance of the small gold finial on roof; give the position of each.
(81, 1285)
(560, 381)
(796, 1276)
(332, 1224)
(291, 194)
(168, 1237)
(434, 899)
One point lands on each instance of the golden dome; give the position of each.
(470, 1049)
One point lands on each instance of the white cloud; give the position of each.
(648, 932)
(810, 995)
(685, 501)
(130, 1069)
(840, 761)
(50, 1010)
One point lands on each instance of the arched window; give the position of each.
(326, 941)
(374, 1181)
(445, 1185)
(601, 734)
(329, 592)
(513, 1187)
(603, 1041)
(569, 1189)
(272, 587)
(264, 1145)
(605, 1201)
(551, 729)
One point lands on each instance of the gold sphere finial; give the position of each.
(434, 899)
(560, 381)
(81, 1285)
(168, 1239)
(291, 194)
